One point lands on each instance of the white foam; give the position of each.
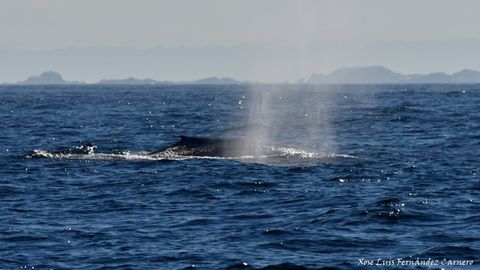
(283, 155)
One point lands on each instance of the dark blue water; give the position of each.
(409, 189)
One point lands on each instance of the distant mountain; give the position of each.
(133, 81)
(49, 77)
(360, 75)
(351, 75)
(466, 76)
(382, 75)
(216, 80)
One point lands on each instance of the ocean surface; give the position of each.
(382, 174)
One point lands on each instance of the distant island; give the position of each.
(351, 75)
(382, 75)
(55, 78)
(49, 77)
(135, 81)
(132, 81)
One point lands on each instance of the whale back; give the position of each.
(203, 146)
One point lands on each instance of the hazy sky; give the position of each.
(257, 39)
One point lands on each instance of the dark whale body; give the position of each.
(186, 147)
(210, 147)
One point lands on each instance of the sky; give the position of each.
(264, 40)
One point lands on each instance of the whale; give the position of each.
(188, 147)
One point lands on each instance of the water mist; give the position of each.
(296, 115)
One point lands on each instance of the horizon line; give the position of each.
(231, 80)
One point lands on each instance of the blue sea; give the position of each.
(373, 174)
